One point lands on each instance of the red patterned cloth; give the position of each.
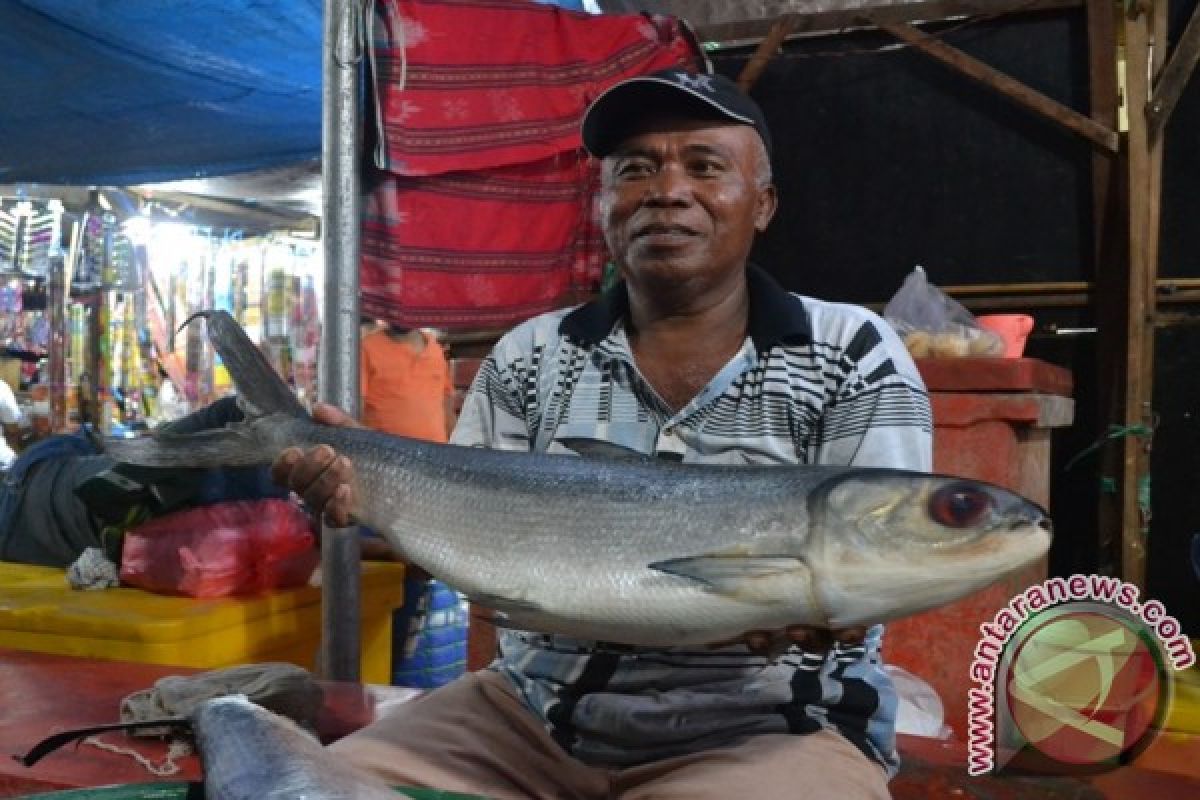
(484, 215)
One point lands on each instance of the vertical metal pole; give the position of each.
(341, 139)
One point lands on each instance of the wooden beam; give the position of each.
(738, 33)
(1100, 135)
(1145, 33)
(1175, 75)
(766, 51)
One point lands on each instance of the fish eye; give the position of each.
(959, 505)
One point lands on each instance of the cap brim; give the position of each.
(619, 111)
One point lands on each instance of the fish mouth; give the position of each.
(1025, 522)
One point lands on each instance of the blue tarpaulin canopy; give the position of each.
(122, 92)
(130, 91)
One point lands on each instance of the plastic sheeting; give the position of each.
(132, 91)
(120, 92)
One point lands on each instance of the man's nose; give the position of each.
(669, 185)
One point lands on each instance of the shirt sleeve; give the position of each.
(879, 415)
(492, 414)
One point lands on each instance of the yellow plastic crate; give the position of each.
(1184, 714)
(40, 612)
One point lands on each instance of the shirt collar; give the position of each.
(776, 316)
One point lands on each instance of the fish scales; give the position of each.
(572, 534)
(634, 550)
(249, 753)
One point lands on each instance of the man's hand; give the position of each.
(322, 477)
(808, 637)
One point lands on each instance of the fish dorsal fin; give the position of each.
(260, 389)
(602, 450)
(731, 572)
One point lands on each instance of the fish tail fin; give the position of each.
(261, 393)
(260, 389)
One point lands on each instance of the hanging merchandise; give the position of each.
(79, 319)
(11, 303)
(270, 284)
(305, 338)
(30, 235)
(277, 301)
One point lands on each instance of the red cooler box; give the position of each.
(992, 421)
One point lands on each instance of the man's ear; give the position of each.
(768, 201)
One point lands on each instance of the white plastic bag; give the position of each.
(919, 710)
(935, 325)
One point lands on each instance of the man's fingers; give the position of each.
(808, 637)
(281, 469)
(322, 478)
(851, 636)
(759, 641)
(812, 639)
(822, 639)
(327, 414)
(338, 511)
(310, 469)
(321, 489)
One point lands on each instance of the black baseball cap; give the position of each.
(615, 114)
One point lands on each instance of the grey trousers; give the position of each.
(474, 736)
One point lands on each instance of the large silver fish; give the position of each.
(249, 753)
(640, 551)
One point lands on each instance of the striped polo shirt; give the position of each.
(814, 383)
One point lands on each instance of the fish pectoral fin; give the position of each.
(607, 451)
(501, 602)
(731, 574)
(501, 621)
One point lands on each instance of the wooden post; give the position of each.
(1145, 42)
(1110, 273)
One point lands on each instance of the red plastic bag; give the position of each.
(243, 547)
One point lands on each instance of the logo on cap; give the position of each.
(696, 81)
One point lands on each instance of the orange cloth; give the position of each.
(404, 392)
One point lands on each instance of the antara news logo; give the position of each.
(1073, 675)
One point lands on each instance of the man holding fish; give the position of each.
(695, 357)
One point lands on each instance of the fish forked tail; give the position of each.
(260, 389)
(261, 393)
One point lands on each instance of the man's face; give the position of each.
(683, 199)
